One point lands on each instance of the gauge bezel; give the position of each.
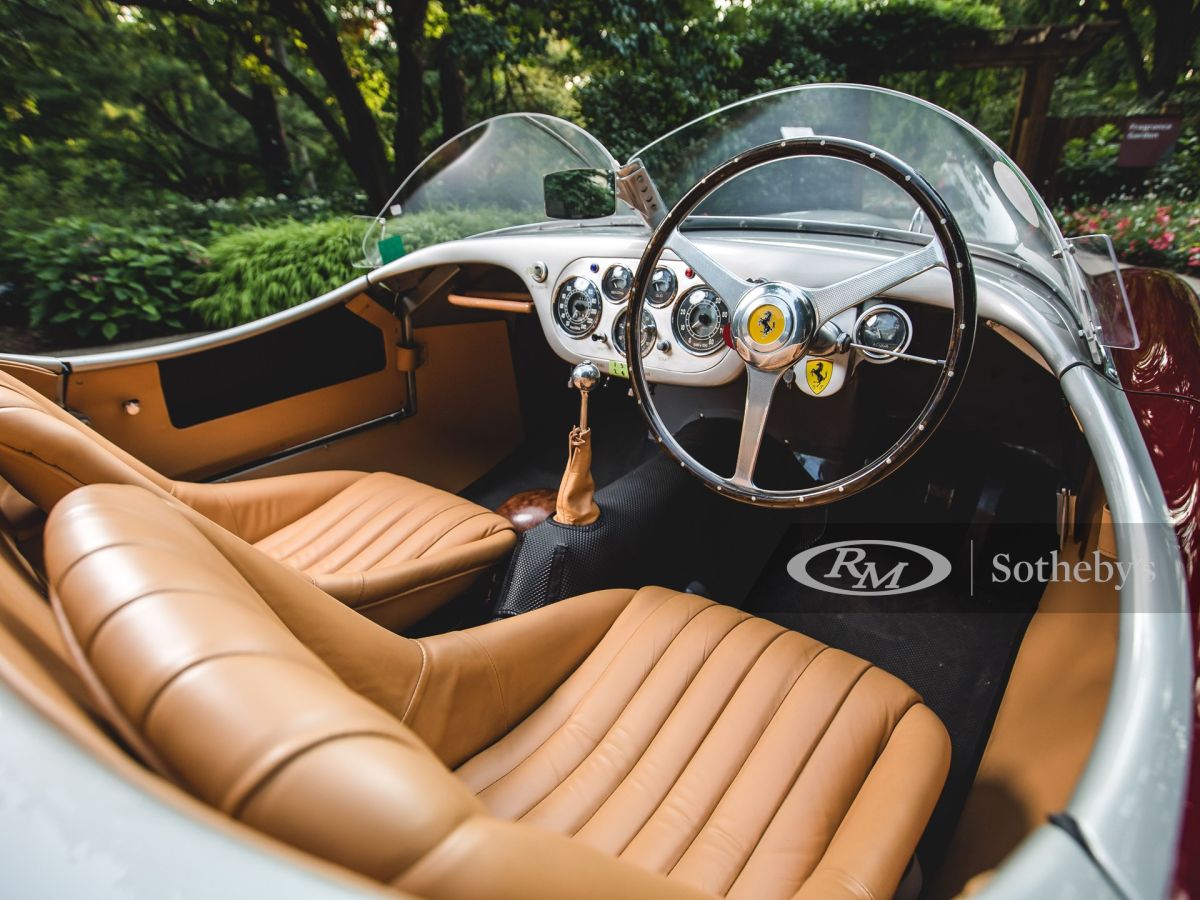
(874, 356)
(624, 297)
(677, 332)
(599, 307)
(674, 288)
(619, 327)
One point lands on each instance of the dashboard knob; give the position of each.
(664, 346)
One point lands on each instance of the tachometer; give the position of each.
(646, 335)
(699, 320)
(616, 283)
(577, 307)
(662, 287)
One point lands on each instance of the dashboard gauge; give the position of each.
(700, 319)
(616, 283)
(646, 335)
(577, 307)
(886, 328)
(662, 287)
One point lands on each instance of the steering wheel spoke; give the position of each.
(842, 295)
(715, 275)
(760, 388)
(773, 325)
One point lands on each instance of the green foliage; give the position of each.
(1179, 174)
(1145, 232)
(1088, 171)
(679, 66)
(259, 271)
(87, 282)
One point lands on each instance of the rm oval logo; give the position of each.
(869, 568)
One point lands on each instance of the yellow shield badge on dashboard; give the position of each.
(817, 373)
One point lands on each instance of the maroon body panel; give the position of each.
(1162, 381)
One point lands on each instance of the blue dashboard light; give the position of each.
(595, 267)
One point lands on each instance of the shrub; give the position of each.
(1146, 232)
(1088, 170)
(90, 282)
(258, 271)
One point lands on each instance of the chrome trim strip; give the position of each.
(157, 352)
(1129, 801)
(408, 410)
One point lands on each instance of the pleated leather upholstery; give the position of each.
(669, 747)
(385, 536)
(391, 547)
(725, 752)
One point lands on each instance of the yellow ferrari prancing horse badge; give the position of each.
(817, 373)
(766, 324)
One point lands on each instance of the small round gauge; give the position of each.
(616, 283)
(577, 307)
(700, 319)
(646, 336)
(884, 327)
(662, 287)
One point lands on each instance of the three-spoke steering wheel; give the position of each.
(773, 324)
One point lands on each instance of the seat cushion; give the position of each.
(726, 752)
(391, 547)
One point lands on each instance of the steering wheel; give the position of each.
(773, 324)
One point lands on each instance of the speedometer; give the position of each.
(646, 334)
(577, 307)
(700, 320)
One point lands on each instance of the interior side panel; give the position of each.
(467, 416)
(229, 407)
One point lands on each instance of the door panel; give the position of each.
(467, 416)
(217, 409)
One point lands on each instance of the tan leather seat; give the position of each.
(642, 744)
(391, 547)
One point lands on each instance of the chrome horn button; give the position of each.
(772, 325)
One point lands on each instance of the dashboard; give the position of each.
(684, 329)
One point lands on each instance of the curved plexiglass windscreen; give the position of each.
(487, 178)
(992, 202)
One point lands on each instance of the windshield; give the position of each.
(492, 176)
(991, 200)
(486, 178)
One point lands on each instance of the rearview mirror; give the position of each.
(580, 194)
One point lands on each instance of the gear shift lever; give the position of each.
(576, 495)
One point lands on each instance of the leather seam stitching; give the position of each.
(470, 638)
(691, 756)
(318, 534)
(575, 708)
(607, 731)
(196, 663)
(666, 718)
(274, 771)
(746, 759)
(796, 777)
(418, 684)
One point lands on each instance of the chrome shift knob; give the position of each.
(584, 376)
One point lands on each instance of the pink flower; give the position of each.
(1092, 225)
(1162, 215)
(1104, 214)
(1123, 223)
(1163, 241)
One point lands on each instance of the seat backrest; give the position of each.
(45, 452)
(209, 685)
